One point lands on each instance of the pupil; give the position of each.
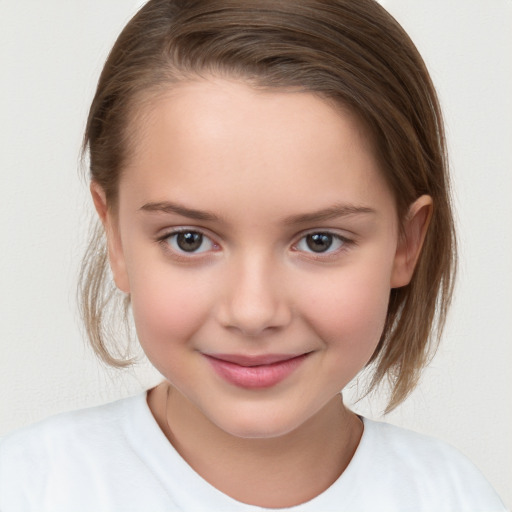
(189, 241)
(319, 242)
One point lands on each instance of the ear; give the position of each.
(411, 241)
(114, 245)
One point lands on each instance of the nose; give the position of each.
(254, 301)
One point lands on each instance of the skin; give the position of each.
(255, 159)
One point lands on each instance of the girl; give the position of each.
(271, 180)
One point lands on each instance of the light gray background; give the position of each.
(51, 54)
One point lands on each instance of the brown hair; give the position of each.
(350, 52)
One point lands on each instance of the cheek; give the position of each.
(168, 307)
(349, 310)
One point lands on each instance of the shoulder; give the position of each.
(401, 443)
(426, 468)
(61, 450)
(416, 451)
(65, 428)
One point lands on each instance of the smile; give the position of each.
(255, 372)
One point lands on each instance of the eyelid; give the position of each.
(347, 243)
(183, 255)
(167, 232)
(189, 257)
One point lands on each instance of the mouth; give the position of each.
(255, 372)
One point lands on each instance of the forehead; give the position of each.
(228, 137)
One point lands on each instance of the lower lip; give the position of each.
(256, 377)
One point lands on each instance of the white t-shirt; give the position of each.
(115, 458)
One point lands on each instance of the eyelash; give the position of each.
(182, 255)
(345, 244)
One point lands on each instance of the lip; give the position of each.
(255, 372)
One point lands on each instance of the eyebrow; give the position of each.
(332, 212)
(168, 207)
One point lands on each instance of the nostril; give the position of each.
(252, 321)
(253, 301)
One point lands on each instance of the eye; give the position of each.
(189, 241)
(321, 242)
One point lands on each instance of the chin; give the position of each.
(258, 425)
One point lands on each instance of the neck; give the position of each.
(309, 459)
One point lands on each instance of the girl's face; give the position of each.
(259, 244)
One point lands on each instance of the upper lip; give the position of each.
(258, 360)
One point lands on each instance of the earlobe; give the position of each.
(114, 244)
(411, 241)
